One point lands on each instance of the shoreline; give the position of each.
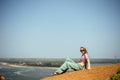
(20, 66)
(6, 64)
(102, 72)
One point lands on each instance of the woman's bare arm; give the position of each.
(88, 63)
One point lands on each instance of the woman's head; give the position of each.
(83, 50)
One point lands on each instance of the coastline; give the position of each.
(21, 66)
(11, 65)
(97, 72)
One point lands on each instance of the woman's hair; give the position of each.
(84, 50)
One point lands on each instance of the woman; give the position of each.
(84, 63)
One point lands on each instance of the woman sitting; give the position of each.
(84, 63)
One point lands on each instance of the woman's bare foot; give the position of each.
(55, 73)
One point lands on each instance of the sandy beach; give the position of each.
(96, 73)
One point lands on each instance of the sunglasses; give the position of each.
(81, 50)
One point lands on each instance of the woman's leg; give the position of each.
(69, 64)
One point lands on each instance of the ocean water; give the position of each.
(29, 73)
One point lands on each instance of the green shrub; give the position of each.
(116, 76)
(118, 71)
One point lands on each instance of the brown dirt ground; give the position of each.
(96, 73)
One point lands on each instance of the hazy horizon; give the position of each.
(58, 28)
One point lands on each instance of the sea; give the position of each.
(34, 72)
(27, 73)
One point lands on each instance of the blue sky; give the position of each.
(58, 28)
